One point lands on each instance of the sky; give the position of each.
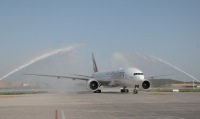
(168, 29)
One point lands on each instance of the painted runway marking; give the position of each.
(63, 114)
(56, 114)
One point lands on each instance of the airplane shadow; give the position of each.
(106, 92)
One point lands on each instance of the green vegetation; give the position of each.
(189, 90)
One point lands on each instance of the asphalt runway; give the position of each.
(107, 105)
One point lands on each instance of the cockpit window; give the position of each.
(138, 74)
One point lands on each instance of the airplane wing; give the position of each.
(79, 77)
(75, 77)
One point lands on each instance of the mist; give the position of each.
(76, 60)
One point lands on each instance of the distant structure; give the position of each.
(25, 84)
(170, 83)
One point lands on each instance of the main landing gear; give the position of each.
(124, 90)
(97, 91)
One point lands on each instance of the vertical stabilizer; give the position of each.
(94, 64)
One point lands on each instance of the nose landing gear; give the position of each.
(135, 91)
(125, 90)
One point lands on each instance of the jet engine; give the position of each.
(146, 84)
(93, 85)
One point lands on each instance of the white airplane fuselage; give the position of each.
(121, 77)
(129, 77)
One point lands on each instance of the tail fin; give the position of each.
(94, 64)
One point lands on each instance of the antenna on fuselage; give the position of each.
(94, 63)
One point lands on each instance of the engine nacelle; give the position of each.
(146, 84)
(93, 85)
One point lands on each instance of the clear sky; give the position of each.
(168, 29)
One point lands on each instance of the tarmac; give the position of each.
(106, 105)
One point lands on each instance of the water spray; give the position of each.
(122, 58)
(39, 58)
(175, 67)
(126, 60)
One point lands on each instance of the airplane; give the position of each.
(128, 77)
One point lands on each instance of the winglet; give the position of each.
(94, 64)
